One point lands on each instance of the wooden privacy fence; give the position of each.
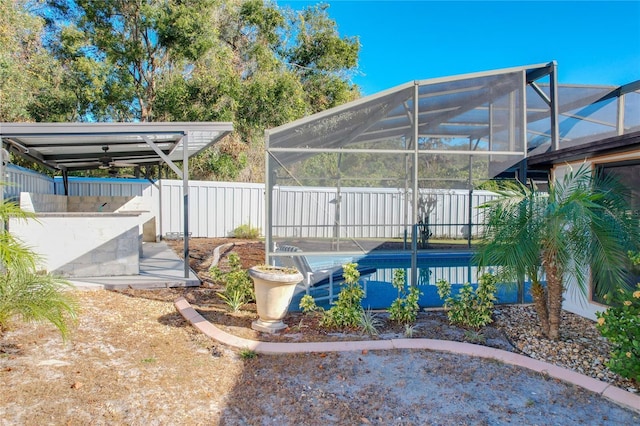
(217, 208)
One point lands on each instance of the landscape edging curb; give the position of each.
(617, 395)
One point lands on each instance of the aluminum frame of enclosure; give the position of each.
(412, 138)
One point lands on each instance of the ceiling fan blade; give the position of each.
(121, 164)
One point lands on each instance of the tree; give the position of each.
(25, 292)
(323, 60)
(245, 61)
(250, 76)
(27, 70)
(117, 51)
(583, 220)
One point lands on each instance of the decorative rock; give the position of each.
(580, 347)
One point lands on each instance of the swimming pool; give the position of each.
(455, 266)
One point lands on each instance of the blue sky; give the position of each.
(593, 42)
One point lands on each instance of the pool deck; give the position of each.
(617, 395)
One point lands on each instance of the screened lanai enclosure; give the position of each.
(394, 180)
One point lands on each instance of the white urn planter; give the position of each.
(274, 288)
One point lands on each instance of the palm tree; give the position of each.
(583, 220)
(25, 292)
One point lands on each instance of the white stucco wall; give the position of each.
(83, 245)
(50, 203)
(579, 303)
(36, 203)
(574, 300)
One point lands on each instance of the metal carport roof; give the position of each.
(81, 146)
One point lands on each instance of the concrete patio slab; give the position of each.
(160, 267)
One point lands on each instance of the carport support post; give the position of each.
(185, 195)
(184, 174)
(65, 181)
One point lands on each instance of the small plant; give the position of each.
(474, 337)
(300, 325)
(409, 330)
(235, 298)
(348, 308)
(238, 285)
(469, 308)
(308, 304)
(235, 264)
(149, 360)
(405, 308)
(309, 307)
(634, 257)
(369, 323)
(246, 232)
(248, 354)
(620, 325)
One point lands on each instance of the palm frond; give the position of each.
(24, 292)
(9, 209)
(37, 297)
(15, 255)
(509, 239)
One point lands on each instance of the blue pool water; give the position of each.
(454, 266)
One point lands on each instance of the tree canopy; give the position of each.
(246, 61)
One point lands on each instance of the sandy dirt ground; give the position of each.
(133, 360)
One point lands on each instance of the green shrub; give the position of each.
(246, 232)
(247, 354)
(469, 308)
(620, 325)
(238, 286)
(308, 304)
(347, 312)
(634, 257)
(405, 308)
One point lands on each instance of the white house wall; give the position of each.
(574, 300)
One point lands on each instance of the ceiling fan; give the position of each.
(107, 163)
